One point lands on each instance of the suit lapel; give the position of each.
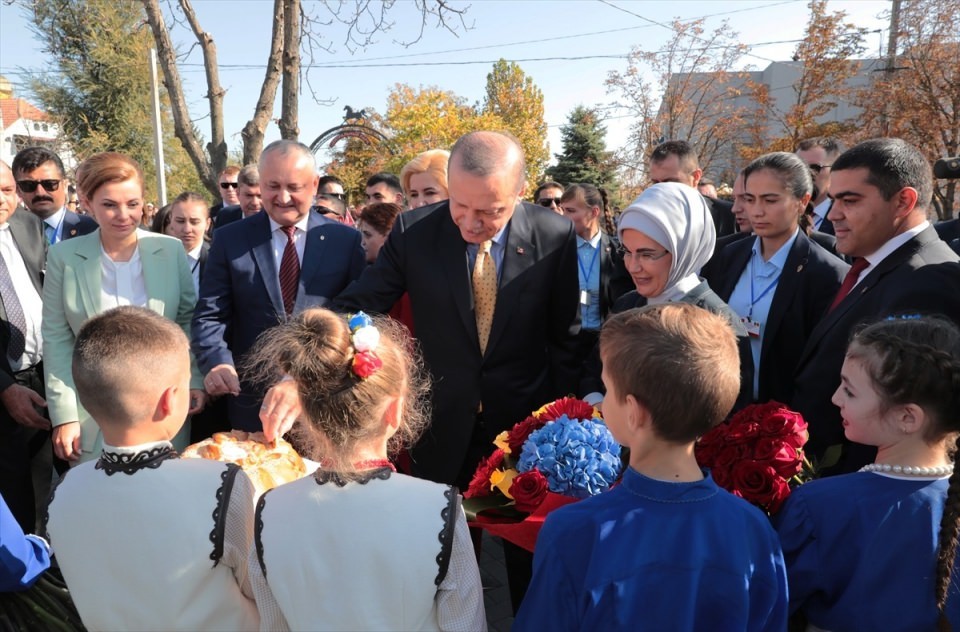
(606, 270)
(30, 241)
(89, 273)
(895, 259)
(156, 273)
(793, 269)
(518, 256)
(453, 257)
(740, 254)
(313, 249)
(261, 246)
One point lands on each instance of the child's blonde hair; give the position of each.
(340, 409)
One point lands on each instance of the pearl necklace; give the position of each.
(909, 470)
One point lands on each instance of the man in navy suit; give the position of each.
(241, 293)
(882, 189)
(42, 185)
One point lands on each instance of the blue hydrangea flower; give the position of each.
(359, 320)
(578, 458)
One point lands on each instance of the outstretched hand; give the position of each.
(281, 408)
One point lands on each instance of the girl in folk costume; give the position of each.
(326, 554)
(874, 550)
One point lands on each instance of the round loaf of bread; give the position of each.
(267, 465)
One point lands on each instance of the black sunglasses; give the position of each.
(339, 196)
(323, 210)
(228, 185)
(816, 167)
(29, 186)
(548, 201)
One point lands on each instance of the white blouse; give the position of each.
(122, 281)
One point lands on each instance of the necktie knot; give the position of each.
(289, 231)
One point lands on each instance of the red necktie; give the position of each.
(859, 265)
(289, 271)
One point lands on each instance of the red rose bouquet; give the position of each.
(757, 454)
(559, 454)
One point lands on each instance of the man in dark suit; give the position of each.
(881, 189)
(42, 185)
(676, 161)
(261, 270)
(433, 252)
(23, 430)
(248, 194)
(819, 154)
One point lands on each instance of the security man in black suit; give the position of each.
(882, 189)
(42, 185)
(676, 161)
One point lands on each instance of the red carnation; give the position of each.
(519, 433)
(480, 483)
(570, 406)
(528, 490)
(366, 363)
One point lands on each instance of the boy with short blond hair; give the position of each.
(666, 549)
(147, 541)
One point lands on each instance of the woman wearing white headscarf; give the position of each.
(666, 235)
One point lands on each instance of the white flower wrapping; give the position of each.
(366, 339)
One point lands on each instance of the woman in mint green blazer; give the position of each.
(118, 264)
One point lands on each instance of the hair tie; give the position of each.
(365, 339)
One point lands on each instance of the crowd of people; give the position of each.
(129, 334)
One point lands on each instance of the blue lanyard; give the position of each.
(754, 301)
(586, 274)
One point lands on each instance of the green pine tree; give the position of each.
(584, 158)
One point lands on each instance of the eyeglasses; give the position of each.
(339, 196)
(646, 256)
(29, 186)
(549, 201)
(228, 185)
(816, 167)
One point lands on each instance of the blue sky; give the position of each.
(566, 46)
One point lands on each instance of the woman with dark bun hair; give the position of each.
(327, 553)
(780, 283)
(876, 549)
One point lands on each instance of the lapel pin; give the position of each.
(799, 267)
(321, 237)
(519, 250)
(73, 232)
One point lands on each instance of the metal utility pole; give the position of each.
(891, 57)
(157, 132)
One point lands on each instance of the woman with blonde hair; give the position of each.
(424, 179)
(118, 264)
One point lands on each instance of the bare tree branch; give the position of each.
(182, 126)
(289, 111)
(217, 147)
(252, 133)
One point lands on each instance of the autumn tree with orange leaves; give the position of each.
(824, 63)
(695, 95)
(917, 96)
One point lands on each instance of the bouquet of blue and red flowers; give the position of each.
(561, 453)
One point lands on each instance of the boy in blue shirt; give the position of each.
(667, 549)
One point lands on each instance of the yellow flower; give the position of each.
(501, 480)
(501, 441)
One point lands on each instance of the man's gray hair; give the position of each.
(287, 147)
(249, 176)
